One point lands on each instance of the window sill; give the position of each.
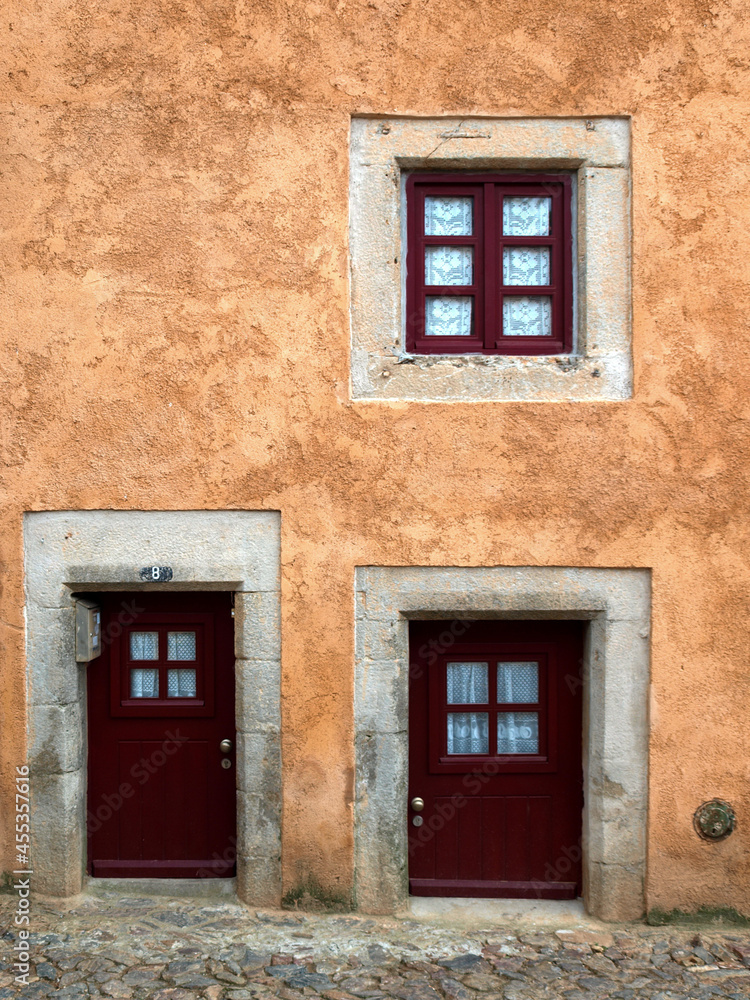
(477, 377)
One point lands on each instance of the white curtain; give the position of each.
(180, 645)
(181, 683)
(144, 683)
(517, 732)
(526, 216)
(468, 732)
(518, 683)
(467, 684)
(144, 645)
(448, 216)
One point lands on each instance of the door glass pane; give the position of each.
(526, 216)
(468, 732)
(144, 682)
(180, 645)
(467, 684)
(517, 682)
(527, 316)
(448, 265)
(144, 645)
(526, 266)
(181, 683)
(447, 216)
(449, 316)
(517, 732)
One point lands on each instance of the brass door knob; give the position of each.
(225, 746)
(417, 805)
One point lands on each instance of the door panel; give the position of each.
(495, 752)
(160, 700)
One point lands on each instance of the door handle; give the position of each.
(417, 805)
(225, 746)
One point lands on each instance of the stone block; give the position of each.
(58, 832)
(257, 626)
(605, 225)
(56, 739)
(381, 696)
(258, 824)
(259, 880)
(258, 706)
(110, 547)
(380, 822)
(615, 892)
(382, 640)
(52, 671)
(258, 759)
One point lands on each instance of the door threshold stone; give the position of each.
(189, 888)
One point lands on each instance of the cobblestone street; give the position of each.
(173, 949)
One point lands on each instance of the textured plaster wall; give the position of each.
(175, 333)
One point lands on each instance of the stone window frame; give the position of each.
(70, 552)
(383, 150)
(615, 678)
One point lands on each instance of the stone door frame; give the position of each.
(615, 679)
(69, 552)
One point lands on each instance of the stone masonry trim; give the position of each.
(70, 551)
(596, 151)
(617, 604)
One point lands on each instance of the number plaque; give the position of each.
(156, 574)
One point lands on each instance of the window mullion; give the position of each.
(489, 267)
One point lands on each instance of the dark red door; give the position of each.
(495, 755)
(161, 791)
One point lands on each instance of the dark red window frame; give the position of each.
(546, 707)
(488, 241)
(121, 703)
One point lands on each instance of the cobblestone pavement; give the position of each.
(173, 949)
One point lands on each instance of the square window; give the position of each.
(489, 264)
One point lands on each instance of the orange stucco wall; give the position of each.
(174, 186)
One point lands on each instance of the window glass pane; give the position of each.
(449, 315)
(144, 683)
(144, 645)
(468, 732)
(527, 316)
(526, 266)
(517, 682)
(181, 683)
(517, 732)
(448, 265)
(526, 216)
(180, 645)
(447, 216)
(467, 684)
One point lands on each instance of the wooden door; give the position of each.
(161, 791)
(495, 754)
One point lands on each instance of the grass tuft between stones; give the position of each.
(717, 915)
(310, 895)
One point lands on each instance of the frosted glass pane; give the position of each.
(517, 732)
(467, 684)
(526, 216)
(181, 683)
(180, 645)
(517, 682)
(527, 316)
(526, 266)
(144, 645)
(448, 265)
(144, 682)
(468, 732)
(449, 316)
(447, 216)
